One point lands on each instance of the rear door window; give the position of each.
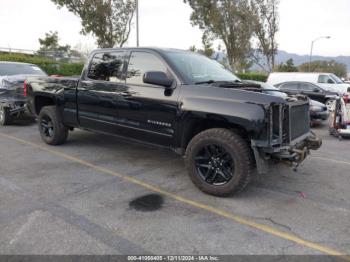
(107, 67)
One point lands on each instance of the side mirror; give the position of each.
(316, 90)
(157, 78)
(330, 81)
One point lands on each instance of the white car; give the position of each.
(327, 81)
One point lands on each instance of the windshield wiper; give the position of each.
(205, 82)
(214, 81)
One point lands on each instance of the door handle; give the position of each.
(87, 84)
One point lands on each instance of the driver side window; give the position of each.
(139, 64)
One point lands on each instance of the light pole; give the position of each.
(137, 23)
(312, 46)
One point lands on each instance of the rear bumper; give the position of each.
(324, 115)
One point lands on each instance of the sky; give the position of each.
(166, 23)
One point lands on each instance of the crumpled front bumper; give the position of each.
(292, 155)
(298, 152)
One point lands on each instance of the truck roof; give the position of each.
(156, 49)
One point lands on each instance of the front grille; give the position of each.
(289, 122)
(299, 120)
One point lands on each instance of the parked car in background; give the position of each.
(318, 111)
(12, 89)
(327, 81)
(313, 91)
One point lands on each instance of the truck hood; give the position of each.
(238, 95)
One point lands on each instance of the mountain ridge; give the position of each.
(283, 56)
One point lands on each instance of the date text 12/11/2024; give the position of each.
(173, 258)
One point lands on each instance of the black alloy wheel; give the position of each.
(219, 162)
(214, 165)
(51, 127)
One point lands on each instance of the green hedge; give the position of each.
(253, 76)
(50, 66)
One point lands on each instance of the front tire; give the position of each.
(219, 162)
(51, 127)
(5, 117)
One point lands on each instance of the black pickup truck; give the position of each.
(226, 129)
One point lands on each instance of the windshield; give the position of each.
(9, 69)
(336, 79)
(198, 68)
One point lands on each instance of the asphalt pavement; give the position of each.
(100, 194)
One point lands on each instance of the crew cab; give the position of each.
(226, 129)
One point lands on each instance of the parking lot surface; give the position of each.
(99, 194)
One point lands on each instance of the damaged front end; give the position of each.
(289, 137)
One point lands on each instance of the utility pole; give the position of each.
(312, 46)
(137, 23)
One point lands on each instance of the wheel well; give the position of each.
(198, 126)
(41, 101)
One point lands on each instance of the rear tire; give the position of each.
(219, 162)
(5, 117)
(51, 127)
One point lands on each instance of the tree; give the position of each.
(228, 20)
(49, 46)
(332, 66)
(287, 67)
(50, 43)
(207, 46)
(108, 20)
(265, 26)
(207, 50)
(193, 48)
